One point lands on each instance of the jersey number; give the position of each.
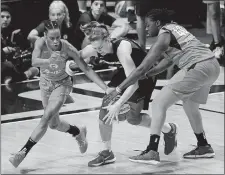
(180, 30)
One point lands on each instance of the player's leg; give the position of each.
(41, 129)
(203, 149)
(79, 133)
(214, 20)
(106, 155)
(161, 103)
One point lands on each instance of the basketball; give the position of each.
(71, 68)
(125, 108)
(120, 9)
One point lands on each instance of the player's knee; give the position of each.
(134, 121)
(53, 125)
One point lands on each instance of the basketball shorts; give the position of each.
(195, 83)
(52, 90)
(133, 116)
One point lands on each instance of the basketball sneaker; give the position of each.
(218, 52)
(17, 158)
(81, 139)
(170, 139)
(147, 157)
(200, 152)
(104, 157)
(131, 17)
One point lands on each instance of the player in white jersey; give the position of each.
(50, 54)
(199, 70)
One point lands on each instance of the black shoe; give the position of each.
(170, 139)
(200, 152)
(131, 16)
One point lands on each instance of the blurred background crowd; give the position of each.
(22, 22)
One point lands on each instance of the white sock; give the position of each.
(107, 145)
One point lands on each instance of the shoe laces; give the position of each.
(145, 151)
(80, 141)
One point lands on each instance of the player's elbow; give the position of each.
(125, 29)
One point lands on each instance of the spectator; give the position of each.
(12, 39)
(98, 13)
(213, 26)
(58, 11)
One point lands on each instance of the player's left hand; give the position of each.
(113, 112)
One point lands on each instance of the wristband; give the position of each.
(118, 90)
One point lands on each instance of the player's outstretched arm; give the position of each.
(90, 73)
(154, 55)
(159, 68)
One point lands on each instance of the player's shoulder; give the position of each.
(124, 46)
(40, 42)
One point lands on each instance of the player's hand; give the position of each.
(107, 99)
(113, 112)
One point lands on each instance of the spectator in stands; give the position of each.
(58, 11)
(12, 39)
(213, 26)
(98, 13)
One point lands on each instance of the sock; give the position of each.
(154, 142)
(107, 145)
(74, 130)
(27, 147)
(201, 139)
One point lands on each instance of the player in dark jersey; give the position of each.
(50, 54)
(199, 70)
(130, 55)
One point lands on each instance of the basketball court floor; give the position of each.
(59, 153)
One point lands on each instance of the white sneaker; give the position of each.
(81, 139)
(219, 52)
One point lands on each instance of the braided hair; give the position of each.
(50, 25)
(95, 31)
(163, 15)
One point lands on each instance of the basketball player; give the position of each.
(199, 70)
(130, 55)
(50, 54)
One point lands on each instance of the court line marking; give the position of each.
(84, 110)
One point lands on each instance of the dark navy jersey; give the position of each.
(146, 86)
